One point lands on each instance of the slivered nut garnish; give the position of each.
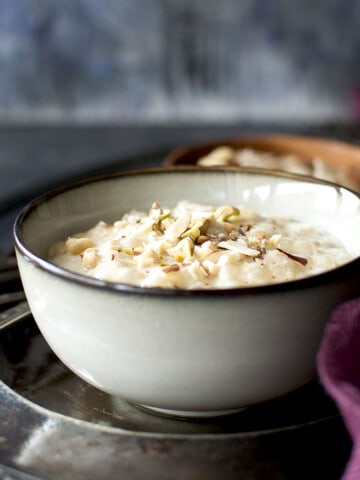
(196, 246)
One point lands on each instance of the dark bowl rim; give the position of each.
(348, 270)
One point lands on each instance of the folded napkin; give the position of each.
(339, 370)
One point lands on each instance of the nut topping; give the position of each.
(199, 246)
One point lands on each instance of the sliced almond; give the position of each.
(239, 247)
(174, 231)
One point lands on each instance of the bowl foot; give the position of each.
(187, 414)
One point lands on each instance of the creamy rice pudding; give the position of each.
(196, 246)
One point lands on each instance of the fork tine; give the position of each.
(9, 263)
(9, 276)
(11, 297)
(14, 315)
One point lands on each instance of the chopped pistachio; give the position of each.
(202, 239)
(164, 214)
(234, 219)
(193, 233)
(223, 213)
(202, 224)
(274, 240)
(128, 251)
(184, 249)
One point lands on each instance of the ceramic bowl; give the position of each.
(186, 352)
(338, 156)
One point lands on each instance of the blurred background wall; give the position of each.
(126, 61)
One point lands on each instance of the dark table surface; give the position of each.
(34, 159)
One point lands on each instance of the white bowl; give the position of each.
(183, 351)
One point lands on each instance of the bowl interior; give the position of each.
(77, 207)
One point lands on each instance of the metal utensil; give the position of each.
(14, 313)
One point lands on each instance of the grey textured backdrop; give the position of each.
(179, 60)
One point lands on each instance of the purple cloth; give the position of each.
(339, 370)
